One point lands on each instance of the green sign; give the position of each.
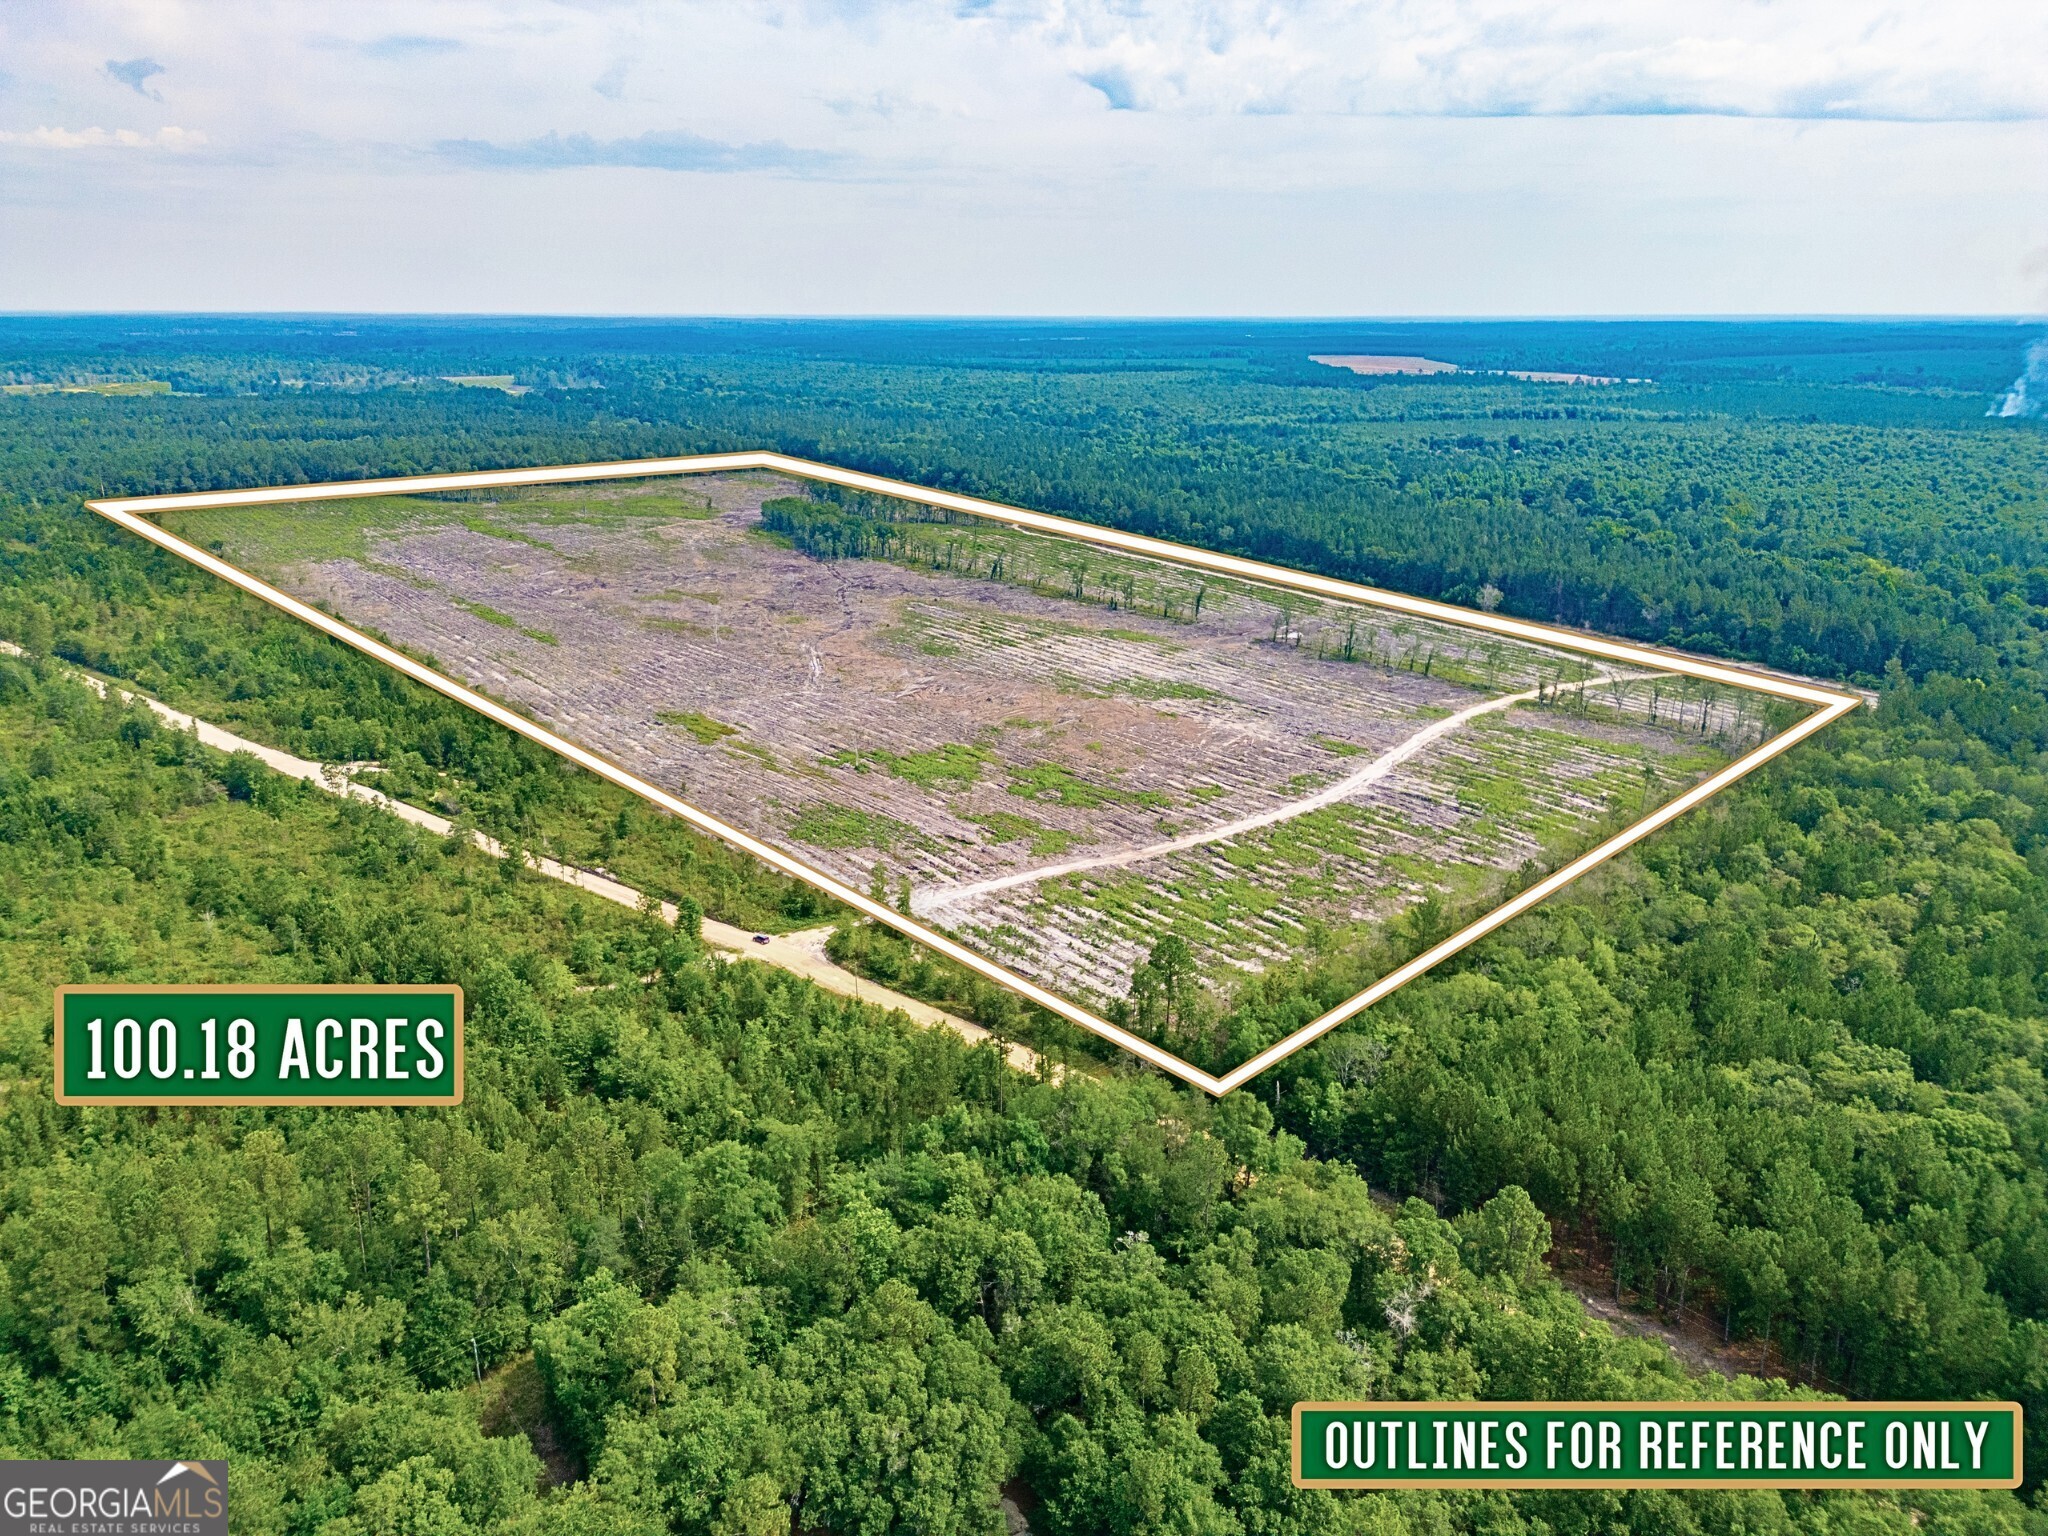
(1657, 1445)
(259, 1045)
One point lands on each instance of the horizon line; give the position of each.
(1966, 317)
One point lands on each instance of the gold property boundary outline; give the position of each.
(134, 514)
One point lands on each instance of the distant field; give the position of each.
(1056, 753)
(115, 387)
(503, 381)
(1381, 364)
(1385, 366)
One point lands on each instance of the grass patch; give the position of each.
(292, 533)
(312, 532)
(674, 626)
(502, 619)
(1132, 687)
(1046, 842)
(1341, 748)
(1162, 688)
(826, 824)
(707, 730)
(602, 504)
(1057, 785)
(952, 766)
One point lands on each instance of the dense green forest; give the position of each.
(758, 1261)
(741, 1256)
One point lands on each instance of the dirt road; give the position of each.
(802, 953)
(936, 899)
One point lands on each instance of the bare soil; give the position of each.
(1374, 363)
(900, 724)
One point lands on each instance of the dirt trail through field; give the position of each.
(937, 899)
(801, 953)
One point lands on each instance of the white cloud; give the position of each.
(1513, 58)
(103, 138)
(1051, 155)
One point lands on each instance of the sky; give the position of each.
(993, 157)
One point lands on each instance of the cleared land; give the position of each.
(1378, 363)
(1056, 753)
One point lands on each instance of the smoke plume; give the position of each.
(2029, 393)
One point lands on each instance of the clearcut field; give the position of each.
(1056, 753)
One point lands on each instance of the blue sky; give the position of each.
(1026, 156)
